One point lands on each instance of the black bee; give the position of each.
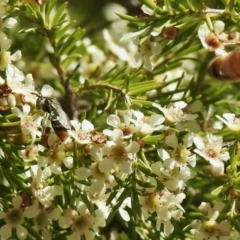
(59, 119)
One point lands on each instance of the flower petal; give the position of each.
(168, 228)
(6, 231)
(21, 232)
(17, 201)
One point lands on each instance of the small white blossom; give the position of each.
(213, 40)
(180, 151)
(100, 181)
(56, 156)
(5, 56)
(165, 205)
(131, 122)
(29, 123)
(14, 83)
(231, 121)
(211, 229)
(115, 152)
(43, 220)
(174, 178)
(175, 113)
(210, 148)
(31, 152)
(146, 50)
(209, 123)
(151, 124)
(173, 171)
(14, 218)
(82, 131)
(40, 188)
(82, 221)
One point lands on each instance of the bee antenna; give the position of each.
(37, 87)
(38, 90)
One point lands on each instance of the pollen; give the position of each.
(119, 154)
(153, 202)
(82, 223)
(211, 153)
(210, 227)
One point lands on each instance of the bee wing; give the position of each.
(58, 117)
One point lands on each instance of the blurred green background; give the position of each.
(90, 14)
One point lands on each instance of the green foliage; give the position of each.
(147, 148)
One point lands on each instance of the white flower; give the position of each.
(56, 156)
(210, 148)
(174, 172)
(29, 123)
(115, 152)
(5, 56)
(213, 40)
(209, 124)
(231, 121)
(14, 83)
(100, 181)
(175, 178)
(180, 151)
(146, 49)
(174, 114)
(131, 123)
(82, 221)
(82, 131)
(14, 218)
(31, 152)
(165, 204)
(211, 229)
(15, 79)
(40, 188)
(152, 123)
(43, 220)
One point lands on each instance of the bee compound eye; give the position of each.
(38, 103)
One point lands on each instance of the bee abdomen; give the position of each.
(226, 68)
(62, 133)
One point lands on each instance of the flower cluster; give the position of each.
(68, 180)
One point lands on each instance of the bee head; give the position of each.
(40, 102)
